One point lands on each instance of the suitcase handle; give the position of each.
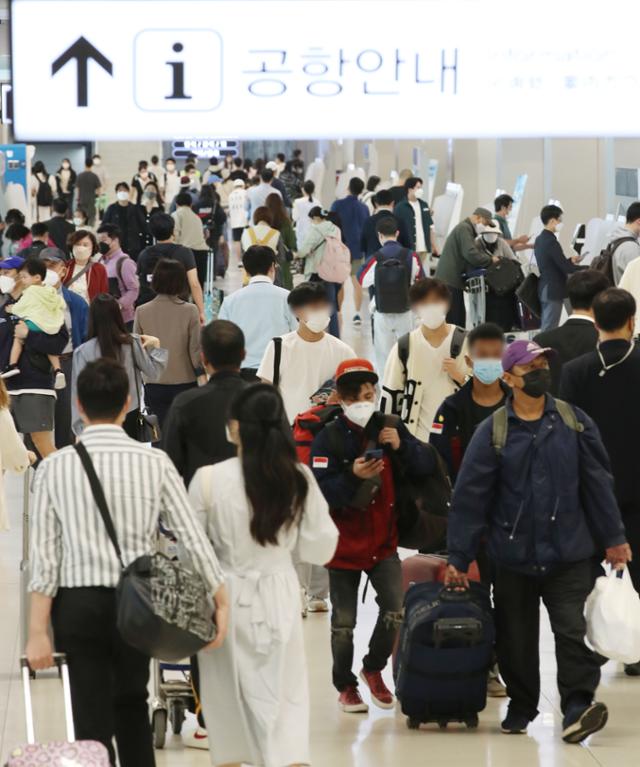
(454, 594)
(60, 659)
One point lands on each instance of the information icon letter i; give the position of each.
(177, 69)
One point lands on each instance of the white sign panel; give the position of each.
(151, 69)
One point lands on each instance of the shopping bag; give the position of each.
(613, 617)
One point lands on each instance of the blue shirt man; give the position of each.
(260, 309)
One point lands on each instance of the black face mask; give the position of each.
(537, 383)
(103, 248)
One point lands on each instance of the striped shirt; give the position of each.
(70, 546)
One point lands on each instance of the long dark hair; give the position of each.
(278, 211)
(273, 479)
(106, 324)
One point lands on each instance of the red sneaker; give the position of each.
(380, 694)
(351, 702)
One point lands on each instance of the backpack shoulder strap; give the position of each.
(336, 442)
(119, 265)
(500, 429)
(457, 342)
(568, 415)
(403, 352)
(252, 236)
(277, 358)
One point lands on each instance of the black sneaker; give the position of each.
(578, 725)
(10, 371)
(514, 723)
(632, 669)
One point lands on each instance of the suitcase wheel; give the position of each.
(472, 721)
(159, 726)
(413, 724)
(442, 724)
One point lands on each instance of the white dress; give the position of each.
(255, 696)
(13, 457)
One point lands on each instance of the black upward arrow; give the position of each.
(82, 51)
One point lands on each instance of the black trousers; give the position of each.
(63, 433)
(386, 580)
(201, 257)
(457, 313)
(108, 677)
(159, 397)
(517, 613)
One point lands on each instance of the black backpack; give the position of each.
(392, 281)
(604, 262)
(504, 276)
(44, 195)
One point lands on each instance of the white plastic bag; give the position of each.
(613, 617)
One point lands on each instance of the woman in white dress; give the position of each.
(14, 456)
(257, 509)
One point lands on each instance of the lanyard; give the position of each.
(605, 367)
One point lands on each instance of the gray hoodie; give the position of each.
(625, 252)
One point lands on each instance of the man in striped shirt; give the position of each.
(75, 567)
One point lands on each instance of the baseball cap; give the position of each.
(483, 213)
(238, 182)
(356, 370)
(51, 254)
(14, 262)
(493, 227)
(523, 352)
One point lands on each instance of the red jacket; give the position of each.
(97, 280)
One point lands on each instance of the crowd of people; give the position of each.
(282, 460)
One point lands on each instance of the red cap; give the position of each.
(358, 370)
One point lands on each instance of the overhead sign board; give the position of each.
(153, 69)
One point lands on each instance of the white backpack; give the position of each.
(336, 261)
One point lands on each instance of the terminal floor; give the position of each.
(379, 739)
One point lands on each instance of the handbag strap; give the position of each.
(99, 497)
(79, 274)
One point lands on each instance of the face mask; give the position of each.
(96, 161)
(122, 195)
(487, 371)
(78, 222)
(559, 227)
(51, 278)
(7, 284)
(227, 432)
(419, 193)
(150, 195)
(317, 321)
(104, 248)
(65, 166)
(359, 412)
(537, 382)
(171, 168)
(490, 238)
(81, 253)
(432, 316)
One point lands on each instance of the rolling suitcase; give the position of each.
(69, 753)
(446, 648)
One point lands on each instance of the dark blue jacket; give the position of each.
(353, 214)
(554, 267)
(370, 242)
(547, 499)
(79, 311)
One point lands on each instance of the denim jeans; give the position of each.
(386, 581)
(551, 310)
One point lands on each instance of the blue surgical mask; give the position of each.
(487, 371)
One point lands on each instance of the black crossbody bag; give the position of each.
(163, 609)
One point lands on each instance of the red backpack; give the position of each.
(307, 425)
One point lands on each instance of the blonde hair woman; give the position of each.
(14, 456)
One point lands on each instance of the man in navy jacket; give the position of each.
(536, 483)
(554, 267)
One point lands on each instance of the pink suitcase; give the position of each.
(69, 753)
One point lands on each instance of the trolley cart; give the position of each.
(172, 699)
(475, 285)
(213, 296)
(87, 753)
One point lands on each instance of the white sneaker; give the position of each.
(197, 739)
(317, 605)
(60, 381)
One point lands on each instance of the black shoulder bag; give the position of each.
(162, 609)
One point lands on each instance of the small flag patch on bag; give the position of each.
(320, 462)
(437, 428)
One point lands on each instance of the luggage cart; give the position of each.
(172, 699)
(475, 285)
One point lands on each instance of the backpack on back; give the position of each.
(336, 261)
(44, 195)
(500, 423)
(392, 281)
(308, 425)
(604, 262)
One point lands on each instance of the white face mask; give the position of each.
(122, 195)
(318, 321)
(227, 432)
(419, 193)
(51, 278)
(81, 253)
(96, 161)
(559, 227)
(432, 316)
(78, 222)
(7, 284)
(490, 238)
(359, 412)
